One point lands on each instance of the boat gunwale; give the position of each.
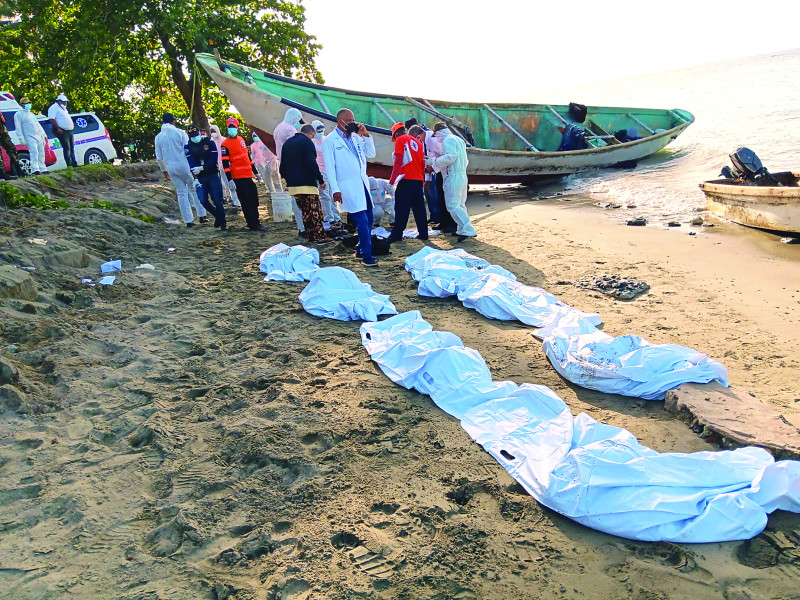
(725, 186)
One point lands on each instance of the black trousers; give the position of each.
(409, 197)
(446, 222)
(68, 144)
(248, 195)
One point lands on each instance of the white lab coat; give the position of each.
(347, 172)
(33, 136)
(171, 158)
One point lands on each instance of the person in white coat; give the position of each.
(382, 194)
(329, 211)
(453, 164)
(172, 161)
(283, 131)
(32, 133)
(346, 151)
(227, 192)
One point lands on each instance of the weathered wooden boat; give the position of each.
(513, 143)
(776, 208)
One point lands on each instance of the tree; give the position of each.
(132, 60)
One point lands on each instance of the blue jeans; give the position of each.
(210, 185)
(363, 222)
(432, 197)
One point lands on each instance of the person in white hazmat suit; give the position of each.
(453, 165)
(382, 194)
(33, 135)
(283, 131)
(227, 192)
(330, 212)
(172, 161)
(266, 164)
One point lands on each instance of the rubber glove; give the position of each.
(231, 185)
(196, 170)
(429, 162)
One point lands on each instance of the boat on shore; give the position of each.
(773, 207)
(509, 143)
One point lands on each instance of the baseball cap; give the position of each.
(24, 100)
(233, 121)
(62, 97)
(397, 126)
(193, 130)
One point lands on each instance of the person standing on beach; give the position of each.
(408, 173)
(285, 130)
(171, 159)
(267, 164)
(346, 151)
(227, 192)
(11, 150)
(300, 170)
(329, 210)
(201, 153)
(63, 126)
(445, 224)
(240, 170)
(32, 133)
(453, 163)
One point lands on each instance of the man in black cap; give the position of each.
(201, 153)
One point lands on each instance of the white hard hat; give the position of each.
(62, 97)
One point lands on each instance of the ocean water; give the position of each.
(753, 102)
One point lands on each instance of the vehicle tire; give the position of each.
(94, 157)
(24, 162)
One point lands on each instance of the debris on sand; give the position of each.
(637, 222)
(616, 286)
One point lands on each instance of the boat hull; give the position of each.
(772, 208)
(264, 111)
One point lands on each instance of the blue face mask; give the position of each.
(232, 131)
(255, 138)
(27, 107)
(196, 139)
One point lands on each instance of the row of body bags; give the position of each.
(595, 474)
(581, 353)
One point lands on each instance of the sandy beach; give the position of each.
(191, 432)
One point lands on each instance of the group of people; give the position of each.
(326, 175)
(30, 129)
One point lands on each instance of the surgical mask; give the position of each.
(196, 139)
(27, 107)
(351, 127)
(232, 131)
(255, 138)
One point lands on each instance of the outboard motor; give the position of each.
(729, 173)
(749, 165)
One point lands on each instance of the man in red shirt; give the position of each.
(408, 172)
(239, 170)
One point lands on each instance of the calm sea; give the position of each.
(753, 102)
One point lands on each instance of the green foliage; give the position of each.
(16, 198)
(130, 60)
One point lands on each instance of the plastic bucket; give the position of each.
(281, 207)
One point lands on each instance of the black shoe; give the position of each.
(302, 234)
(461, 238)
(424, 239)
(223, 228)
(259, 228)
(37, 173)
(204, 219)
(190, 224)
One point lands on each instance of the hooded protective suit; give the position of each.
(171, 159)
(267, 165)
(283, 132)
(29, 128)
(329, 209)
(226, 191)
(382, 194)
(453, 165)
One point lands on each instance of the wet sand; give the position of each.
(191, 432)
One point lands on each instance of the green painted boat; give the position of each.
(511, 143)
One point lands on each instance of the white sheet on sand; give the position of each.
(336, 293)
(289, 263)
(382, 232)
(595, 474)
(627, 365)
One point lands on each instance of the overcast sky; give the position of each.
(505, 50)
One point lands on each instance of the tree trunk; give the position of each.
(187, 87)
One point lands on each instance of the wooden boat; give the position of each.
(766, 207)
(513, 143)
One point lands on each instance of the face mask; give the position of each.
(27, 107)
(351, 127)
(196, 139)
(255, 138)
(232, 131)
